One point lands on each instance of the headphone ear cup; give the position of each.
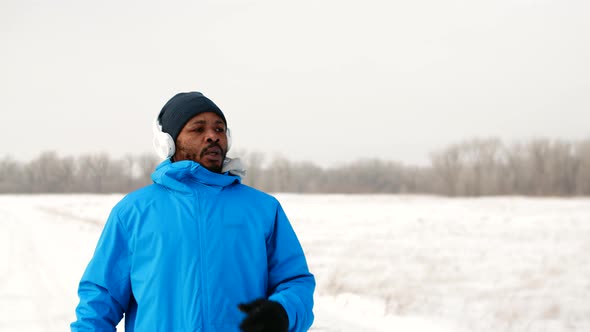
(163, 142)
(164, 145)
(229, 140)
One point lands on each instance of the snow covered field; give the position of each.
(383, 263)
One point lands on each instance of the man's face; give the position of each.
(203, 139)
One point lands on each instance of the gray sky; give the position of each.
(325, 81)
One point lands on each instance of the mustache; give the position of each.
(212, 145)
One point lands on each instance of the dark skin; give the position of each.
(203, 139)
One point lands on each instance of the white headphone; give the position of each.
(164, 144)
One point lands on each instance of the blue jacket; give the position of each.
(182, 253)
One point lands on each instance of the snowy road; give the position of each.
(38, 254)
(383, 263)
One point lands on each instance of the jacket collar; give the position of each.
(180, 176)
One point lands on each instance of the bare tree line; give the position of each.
(91, 173)
(478, 167)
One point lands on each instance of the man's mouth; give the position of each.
(212, 153)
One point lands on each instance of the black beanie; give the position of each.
(183, 107)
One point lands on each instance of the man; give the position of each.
(196, 250)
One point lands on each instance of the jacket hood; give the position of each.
(179, 175)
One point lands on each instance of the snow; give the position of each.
(382, 262)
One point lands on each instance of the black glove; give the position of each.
(264, 316)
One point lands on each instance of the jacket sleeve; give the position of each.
(290, 282)
(104, 289)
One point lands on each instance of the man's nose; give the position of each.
(212, 136)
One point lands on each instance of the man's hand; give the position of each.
(264, 316)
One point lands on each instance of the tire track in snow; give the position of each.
(37, 247)
(69, 215)
(28, 286)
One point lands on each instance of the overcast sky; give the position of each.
(323, 81)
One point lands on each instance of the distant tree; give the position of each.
(564, 167)
(12, 177)
(279, 175)
(447, 168)
(307, 178)
(99, 174)
(146, 164)
(518, 177)
(49, 173)
(482, 161)
(254, 165)
(582, 177)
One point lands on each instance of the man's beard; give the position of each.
(213, 168)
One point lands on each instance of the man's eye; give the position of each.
(199, 129)
(220, 130)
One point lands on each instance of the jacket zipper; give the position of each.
(204, 297)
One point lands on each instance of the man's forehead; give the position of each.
(205, 118)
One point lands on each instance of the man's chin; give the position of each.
(213, 167)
